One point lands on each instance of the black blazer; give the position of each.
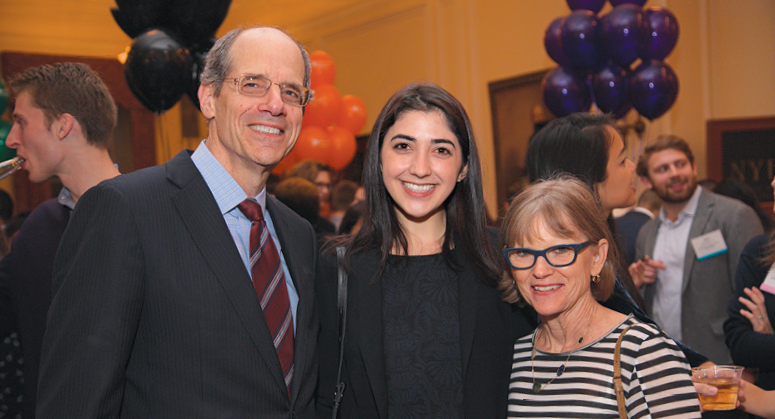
(488, 329)
(154, 314)
(25, 278)
(628, 226)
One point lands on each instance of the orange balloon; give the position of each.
(323, 69)
(353, 114)
(324, 108)
(313, 143)
(343, 147)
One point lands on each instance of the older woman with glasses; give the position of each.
(557, 248)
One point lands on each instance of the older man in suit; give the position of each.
(183, 290)
(687, 256)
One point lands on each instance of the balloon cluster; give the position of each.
(171, 41)
(330, 120)
(5, 126)
(598, 58)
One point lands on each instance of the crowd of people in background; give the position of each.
(312, 190)
(208, 287)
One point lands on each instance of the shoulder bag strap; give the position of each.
(341, 302)
(618, 377)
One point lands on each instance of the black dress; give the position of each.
(421, 337)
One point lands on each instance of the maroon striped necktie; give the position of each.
(269, 282)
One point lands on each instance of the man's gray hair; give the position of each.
(218, 61)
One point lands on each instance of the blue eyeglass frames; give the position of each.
(557, 256)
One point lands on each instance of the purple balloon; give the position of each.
(581, 40)
(638, 3)
(623, 111)
(663, 34)
(592, 5)
(653, 88)
(565, 92)
(553, 42)
(610, 86)
(625, 31)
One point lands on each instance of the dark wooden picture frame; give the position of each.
(518, 111)
(743, 148)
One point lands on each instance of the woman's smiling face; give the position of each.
(422, 161)
(551, 290)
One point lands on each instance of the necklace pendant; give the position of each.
(536, 388)
(561, 370)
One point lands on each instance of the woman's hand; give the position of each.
(756, 401)
(757, 311)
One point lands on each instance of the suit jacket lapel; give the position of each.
(365, 311)
(701, 217)
(203, 219)
(468, 297)
(365, 315)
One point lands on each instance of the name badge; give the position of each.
(769, 282)
(709, 245)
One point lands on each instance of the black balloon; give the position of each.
(553, 42)
(565, 92)
(198, 56)
(197, 20)
(663, 34)
(653, 88)
(135, 17)
(610, 86)
(581, 40)
(625, 31)
(157, 70)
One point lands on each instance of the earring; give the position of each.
(596, 279)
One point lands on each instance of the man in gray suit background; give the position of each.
(183, 290)
(686, 257)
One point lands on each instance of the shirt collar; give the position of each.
(66, 198)
(689, 210)
(226, 191)
(645, 211)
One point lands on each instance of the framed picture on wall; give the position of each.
(518, 111)
(745, 149)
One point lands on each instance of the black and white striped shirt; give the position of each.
(655, 375)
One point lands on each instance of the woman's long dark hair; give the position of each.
(578, 145)
(466, 222)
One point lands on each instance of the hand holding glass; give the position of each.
(724, 377)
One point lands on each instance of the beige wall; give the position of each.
(724, 58)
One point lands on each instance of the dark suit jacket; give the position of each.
(488, 329)
(707, 284)
(25, 287)
(627, 228)
(154, 314)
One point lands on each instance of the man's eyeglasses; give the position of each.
(257, 86)
(557, 256)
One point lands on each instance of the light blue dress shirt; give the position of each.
(670, 248)
(228, 194)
